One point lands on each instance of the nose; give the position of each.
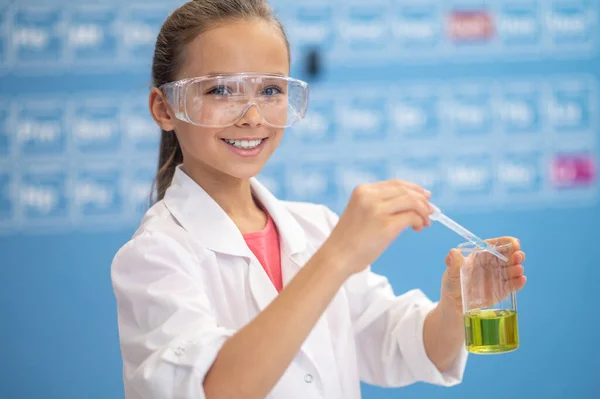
(251, 117)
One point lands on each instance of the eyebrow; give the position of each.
(214, 73)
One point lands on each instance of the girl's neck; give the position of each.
(233, 195)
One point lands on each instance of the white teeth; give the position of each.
(245, 144)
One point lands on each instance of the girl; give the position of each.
(227, 292)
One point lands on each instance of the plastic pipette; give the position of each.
(457, 228)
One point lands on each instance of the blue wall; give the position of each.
(493, 105)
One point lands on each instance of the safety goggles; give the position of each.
(222, 100)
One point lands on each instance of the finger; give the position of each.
(453, 263)
(515, 244)
(519, 282)
(412, 186)
(514, 271)
(383, 190)
(394, 187)
(514, 284)
(454, 259)
(395, 191)
(518, 257)
(410, 202)
(403, 220)
(515, 258)
(507, 246)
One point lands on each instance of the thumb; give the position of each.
(454, 261)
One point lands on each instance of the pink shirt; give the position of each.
(265, 246)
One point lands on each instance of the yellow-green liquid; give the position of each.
(491, 331)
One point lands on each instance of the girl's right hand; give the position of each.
(375, 215)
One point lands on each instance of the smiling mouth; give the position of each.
(245, 144)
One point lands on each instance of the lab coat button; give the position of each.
(308, 378)
(179, 351)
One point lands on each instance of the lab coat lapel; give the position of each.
(316, 345)
(295, 252)
(292, 237)
(202, 217)
(205, 220)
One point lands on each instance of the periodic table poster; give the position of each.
(491, 105)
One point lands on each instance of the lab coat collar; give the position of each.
(202, 217)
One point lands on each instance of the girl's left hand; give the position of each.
(513, 273)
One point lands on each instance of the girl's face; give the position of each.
(244, 46)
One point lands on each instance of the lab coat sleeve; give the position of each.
(389, 332)
(168, 334)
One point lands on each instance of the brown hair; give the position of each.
(181, 28)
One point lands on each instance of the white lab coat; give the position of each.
(187, 281)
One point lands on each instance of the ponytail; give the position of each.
(169, 157)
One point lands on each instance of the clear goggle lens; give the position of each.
(222, 101)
